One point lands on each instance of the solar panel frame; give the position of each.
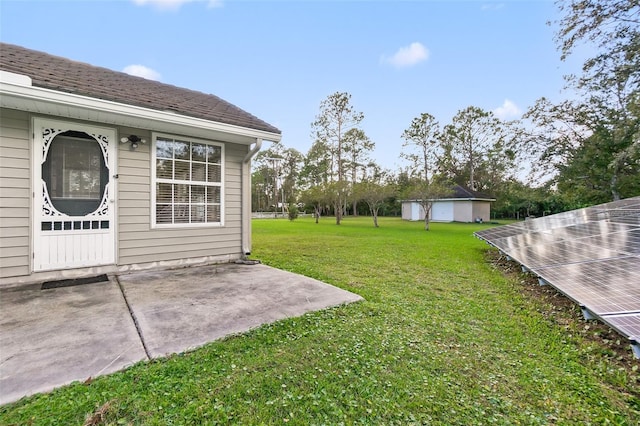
(626, 324)
(604, 287)
(591, 255)
(579, 232)
(560, 253)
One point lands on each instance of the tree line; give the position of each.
(579, 152)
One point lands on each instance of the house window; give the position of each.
(188, 182)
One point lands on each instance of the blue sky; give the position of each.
(279, 59)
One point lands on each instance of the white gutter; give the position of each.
(451, 199)
(245, 227)
(253, 151)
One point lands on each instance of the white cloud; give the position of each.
(492, 6)
(163, 4)
(508, 110)
(213, 4)
(407, 56)
(175, 4)
(142, 71)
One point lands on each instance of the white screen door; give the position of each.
(74, 210)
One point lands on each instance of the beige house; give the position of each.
(463, 205)
(104, 172)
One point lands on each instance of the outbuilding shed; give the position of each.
(464, 205)
(104, 172)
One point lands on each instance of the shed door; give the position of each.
(442, 211)
(74, 210)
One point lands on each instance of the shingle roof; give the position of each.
(64, 75)
(460, 191)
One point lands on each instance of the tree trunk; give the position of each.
(614, 191)
(354, 177)
(427, 209)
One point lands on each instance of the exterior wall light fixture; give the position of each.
(133, 139)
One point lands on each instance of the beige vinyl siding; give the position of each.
(15, 189)
(138, 243)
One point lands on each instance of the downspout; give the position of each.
(245, 227)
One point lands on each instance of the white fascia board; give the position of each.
(450, 199)
(13, 94)
(464, 199)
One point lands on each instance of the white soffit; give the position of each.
(16, 92)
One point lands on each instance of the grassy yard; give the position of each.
(442, 338)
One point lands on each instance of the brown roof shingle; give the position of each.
(460, 191)
(64, 75)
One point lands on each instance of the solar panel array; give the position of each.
(591, 255)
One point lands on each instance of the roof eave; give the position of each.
(453, 199)
(466, 199)
(46, 101)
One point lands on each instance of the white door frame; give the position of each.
(72, 241)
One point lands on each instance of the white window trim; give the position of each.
(154, 225)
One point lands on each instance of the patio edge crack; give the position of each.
(134, 318)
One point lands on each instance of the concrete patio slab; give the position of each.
(49, 338)
(183, 309)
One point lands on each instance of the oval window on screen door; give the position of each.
(75, 173)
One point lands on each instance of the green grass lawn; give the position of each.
(442, 338)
